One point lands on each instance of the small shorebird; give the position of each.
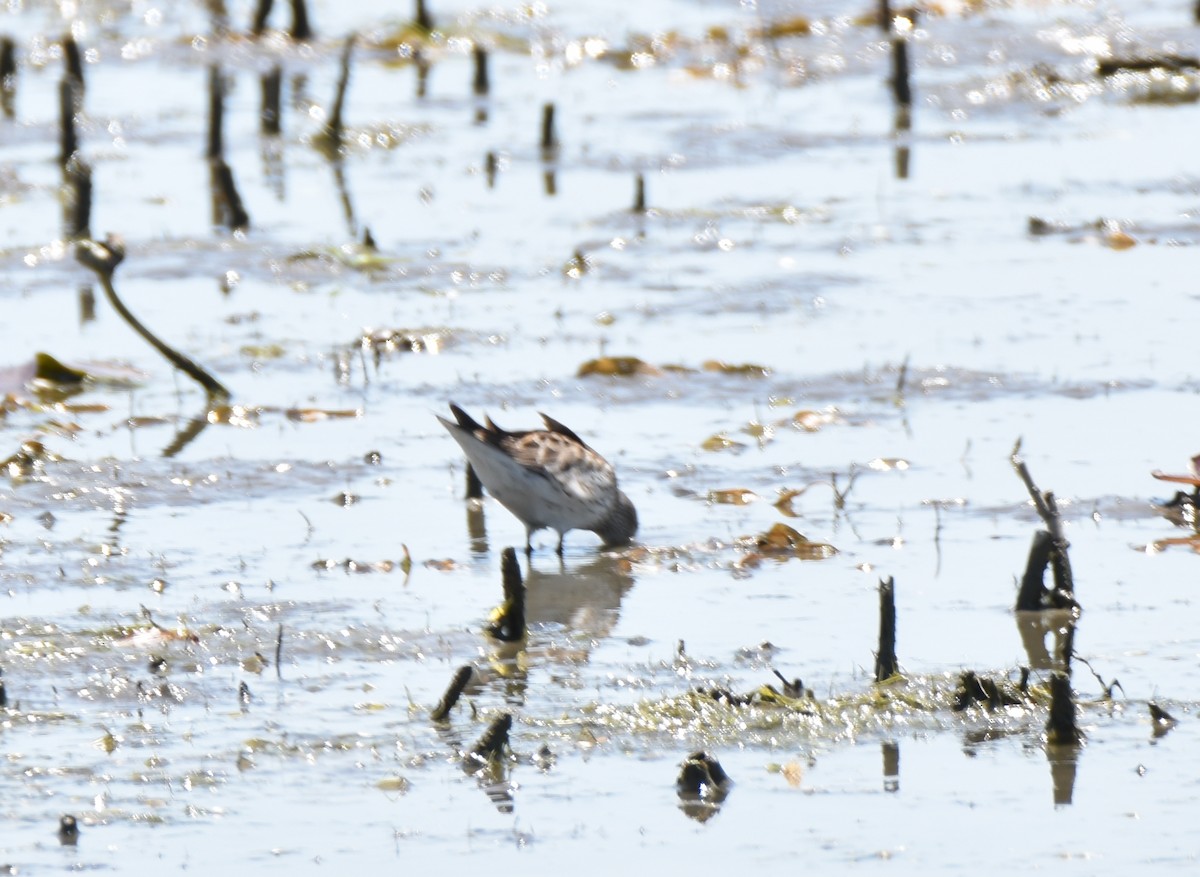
(547, 478)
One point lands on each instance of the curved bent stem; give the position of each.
(103, 259)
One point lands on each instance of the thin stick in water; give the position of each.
(301, 29)
(461, 677)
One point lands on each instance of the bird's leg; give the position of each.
(559, 549)
(528, 543)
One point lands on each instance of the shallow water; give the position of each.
(918, 320)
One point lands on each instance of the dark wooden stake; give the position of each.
(510, 625)
(301, 29)
(461, 677)
(1061, 728)
(885, 659)
(481, 86)
(271, 116)
(549, 139)
(103, 259)
(262, 11)
(901, 89)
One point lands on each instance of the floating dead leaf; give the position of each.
(784, 503)
(617, 366)
(793, 773)
(790, 27)
(811, 421)
(1117, 239)
(316, 415)
(732, 496)
(406, 561)
(887, 464)
(108, 743)
(446, 565)
(745, 369)
(399, 785)
(782, 542)
(721, 442)
(139, 422)
(256, 663)
(263, 351)
(81, 408)
(760, 431)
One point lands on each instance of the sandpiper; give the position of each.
(547, 478)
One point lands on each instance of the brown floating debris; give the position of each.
(103, 259)
(492, 744)
(549, 140)
(301, 29)
(885, 659)
(508, 622)
(461, 677)
(1061, 728)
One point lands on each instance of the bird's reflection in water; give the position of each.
(583, 600)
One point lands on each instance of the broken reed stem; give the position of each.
(73, 61)
(509, 625)
(279, 653)
(1047, 509)
(639, 194)
(103, 259)
(301, 29)
(885, 16)
(474, 485)
(262, 11)
(1061, 727)
(216, 113)
(271, 115)
(334, 128)
(461, 677)
(885, 658)
(1033, 584)
(549, 139)
(68, 140)
(8, 75)
(491, 745)
(481, 84)
(490, 165)
(901, 89)
(228, 209)
(422, 19)
(78, 179)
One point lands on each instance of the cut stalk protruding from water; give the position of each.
(68, 139)
(494, 741)
(1062, 728)
(103, 259)
(490, 165)
(8, 76)
(422, 20)
(457, 685)
(77, 209)
(335, 126)
(271, 115)
(639, 194)
(215, 146)
(508, 623)
(279, 653)
(73, 62)
(474, 485)
(262, 11)
(549, 139)
(901, 86)
(301, 29)
(885, 16)
(481, 84)
(885, 659)
(3, 692)
(1047, 509)
(228, 209)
